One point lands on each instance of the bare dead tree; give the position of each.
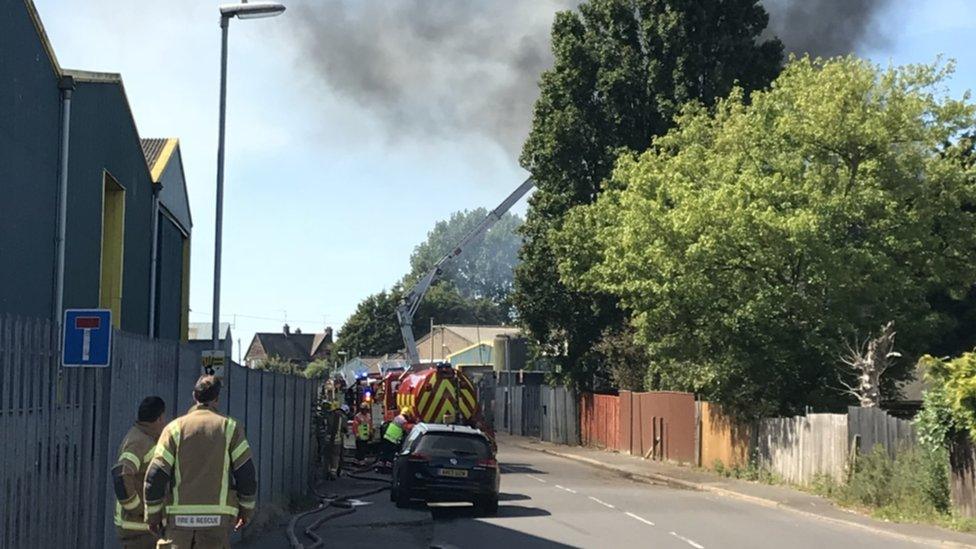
(868, 361)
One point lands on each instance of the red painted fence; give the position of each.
(660, 425)
(600, 421)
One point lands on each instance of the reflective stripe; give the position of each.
(229, 429)
(241, 448)
(164, 453)
(153, 509)
(133, 504)
(149, 455)
(394, 433)
(246, 504)
(129, 525)
(201, 510)
(174, 432)
(131, 457)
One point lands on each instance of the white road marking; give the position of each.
(601, 502)
(688, 541)
(536, 478)
(642, 519)
(570, 490)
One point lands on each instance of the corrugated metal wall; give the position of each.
(61, 429)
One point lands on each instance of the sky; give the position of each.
(353, 126)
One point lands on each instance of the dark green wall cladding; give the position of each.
(170, 289)
(29, 125)
(103, 139)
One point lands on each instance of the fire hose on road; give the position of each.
(345, 503)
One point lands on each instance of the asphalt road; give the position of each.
(550, 502)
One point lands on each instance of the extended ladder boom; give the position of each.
(408, 307)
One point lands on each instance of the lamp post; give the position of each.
(243, 10)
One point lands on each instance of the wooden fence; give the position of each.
(660, 425)
(723, 439)
(61, 429)
(599, 419)
(560, 415)
(962, 479)
(870, 427)
(799, 449)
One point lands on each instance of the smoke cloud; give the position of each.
(442, 69)
(435, 68)
(825, 27)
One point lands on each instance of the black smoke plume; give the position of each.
(444, 69)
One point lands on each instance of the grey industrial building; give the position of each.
(128, 221)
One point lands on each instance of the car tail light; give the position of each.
(488, 463)
(416, 456)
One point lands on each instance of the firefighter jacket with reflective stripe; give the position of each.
(395, 431)
(361, 426)
(135, 453)
(206, 459)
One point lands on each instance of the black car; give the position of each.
(446, 463)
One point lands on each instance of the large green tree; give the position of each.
(751, 244)
(622, 70)
(485, 269)
(372, 329)
(475, 289)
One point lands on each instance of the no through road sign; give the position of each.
(87, 338)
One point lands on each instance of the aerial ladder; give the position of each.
(408, 306)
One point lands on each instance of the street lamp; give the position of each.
(243, 10)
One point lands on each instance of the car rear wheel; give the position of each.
(402, 499)
(488, 506)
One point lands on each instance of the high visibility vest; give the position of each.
(362, 432)
(394, 433)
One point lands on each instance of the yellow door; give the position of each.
(113, 239)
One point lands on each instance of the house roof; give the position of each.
(158, 151)
(295, 346)
(474, 334)
(202, 331)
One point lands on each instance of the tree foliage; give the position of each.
(317, 369)
(372, 330)
(485, 269)
(751, 242)
(473, 290)
(622, 70)
(953, 390)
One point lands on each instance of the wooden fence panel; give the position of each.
(870, 427)
(600, 420)
(962, 485)
(723, 438)
(798, 449)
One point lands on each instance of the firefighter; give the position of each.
(135, 453)
(206, 459)
(323, 407)
(395, 432)
(362, 427)
(335, 429)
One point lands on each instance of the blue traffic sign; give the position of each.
(87, 338)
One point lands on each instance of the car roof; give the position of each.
(443, 428)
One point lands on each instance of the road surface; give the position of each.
(550, 502)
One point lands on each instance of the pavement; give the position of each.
(558, 496)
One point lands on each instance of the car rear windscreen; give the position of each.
(449, 445)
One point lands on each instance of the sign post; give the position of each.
(87, 337)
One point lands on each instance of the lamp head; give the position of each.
(252, 10)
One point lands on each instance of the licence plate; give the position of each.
(454, 473)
